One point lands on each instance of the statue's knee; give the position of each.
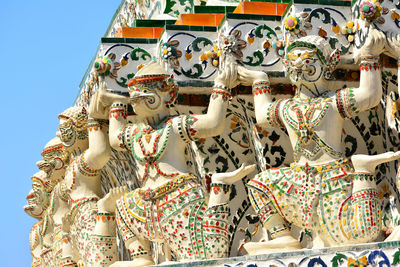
(365, 223)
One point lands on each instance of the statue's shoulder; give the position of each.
(177, 121)
(176, 118)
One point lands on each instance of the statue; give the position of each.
(38, 201)
(170, 206)
(333, 196)
(42, 200)
(75, 227)
(88, 227)
(38, 197)
(177, 208)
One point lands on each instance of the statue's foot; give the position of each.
(395, 235)
(107, 203)
(137, 262)
(232, 177)
(367, 163)
(279, 244)
(67, 250)
(318, 242)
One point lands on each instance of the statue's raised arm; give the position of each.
(213, 122)
(350, 101)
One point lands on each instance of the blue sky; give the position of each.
(45, 47)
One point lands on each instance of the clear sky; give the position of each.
(45, 48)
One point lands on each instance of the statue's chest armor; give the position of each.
(148, 144)
(304, 117)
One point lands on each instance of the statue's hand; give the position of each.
(248, 77)
(107, 203)
(101, 101)
(393, 45)
(228, 76)
(374, 45)
(97, 110)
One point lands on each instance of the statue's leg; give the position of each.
(64, 254)
(130, 228)
(209, 226)
(140, 251)
(349, 208)
(269, 217)
(104, 249)
(103, 237)
(364, 223)
(215, 230)
(189, 227)
(350, 212)
(336, 190)
(365, 203)
(192, 229)
(63, 251)
(82, 227)
(272, 221)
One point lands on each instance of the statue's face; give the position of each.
(147, 98)
(66, 132)
(53, 164)
(47, 166)
(69, 134)
(304, 65)
(38, 198)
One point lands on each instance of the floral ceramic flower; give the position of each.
(102, 65)
(107, 66)
(350, 30)
(370, 10)
(292, 23)
(170, 53)
(213, 56)
(232, 44)
(169, 50)
(361, 262)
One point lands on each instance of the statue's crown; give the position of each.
(41, 178)
(53, 145)
(152, 72)
(78, 115)
(313, 42)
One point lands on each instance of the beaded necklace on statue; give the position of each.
(146, 134)
(305, 123)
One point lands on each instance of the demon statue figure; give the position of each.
(333, 196)
(87, 229)
(170, 206)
